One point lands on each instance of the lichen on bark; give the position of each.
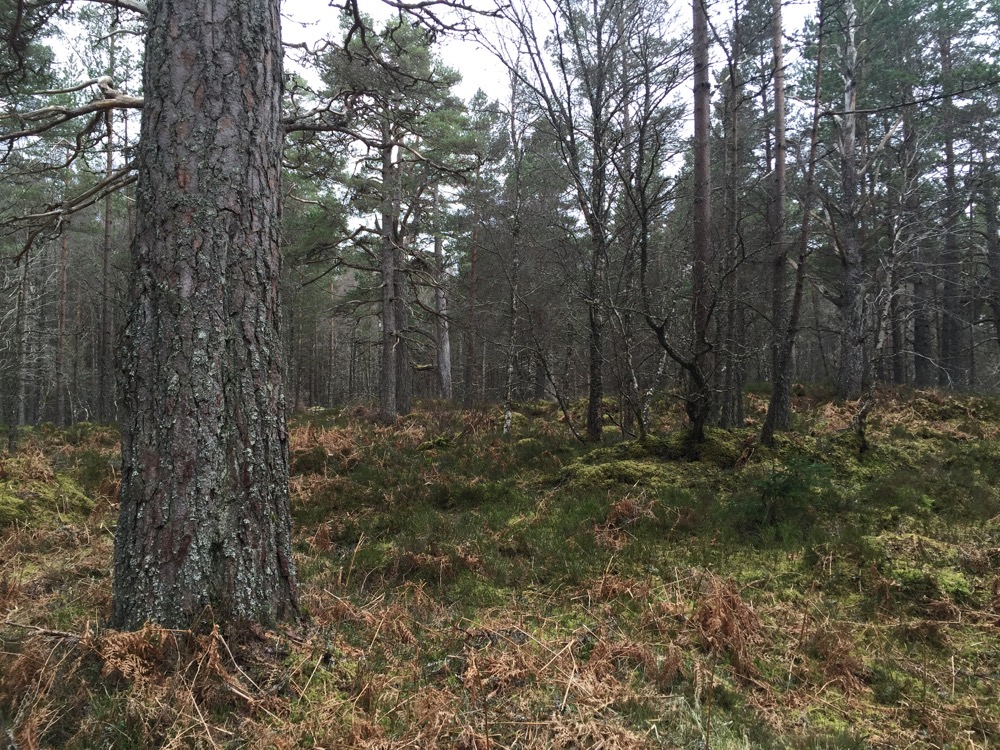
(204, 521)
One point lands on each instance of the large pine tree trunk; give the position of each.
(204, 526)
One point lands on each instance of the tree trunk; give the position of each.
(953, 357)
(508, 392)
(61, 341)
(387, 268)
(781, 399)
(988, 190)
(470, 394)
(105, 357)
(730, 362)
(404, 373)
(25, 297)
(919, 302)
(204, 530)
(442, 328)
(850, 371)
(442, 334)
(699, 398)
(782, 385)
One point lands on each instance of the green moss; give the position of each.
(35, 502)
(12, 508)
(621, 472)
(925, 583)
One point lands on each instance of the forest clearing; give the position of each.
(465, 589)
(646, 400)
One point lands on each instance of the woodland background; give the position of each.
(539, 244)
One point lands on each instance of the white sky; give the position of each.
(309, 20)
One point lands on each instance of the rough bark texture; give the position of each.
(204, 521)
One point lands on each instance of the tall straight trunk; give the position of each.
(60, 385)
(387, 270)
(781, 382)
(61, 339)
(952, 344)
(988, 191)
(731, 364)
(442, 333)
(897, 329)
(471, 394)
(22, 325)
(204, 531)
(850, 370)
(920, 293)
(404, 373)
(105, 357)
(540, 379)
(699, 398)
(595, 339)
(508, 397)
(782, 370)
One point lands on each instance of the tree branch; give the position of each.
(133, 5)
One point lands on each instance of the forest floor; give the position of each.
(464, 589)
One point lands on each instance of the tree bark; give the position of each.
(61, 340)
(699, 399)
(782, 366)
(442, 332)
(780, 408)
(390, 336)
(953, 358)
(471, 392)
(25, 296)
(204, 529)
(404, 373)
(988, 191)
(105, 366)
(850, 371)
(920, 294)
(729, 363)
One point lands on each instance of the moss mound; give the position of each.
(32, 493)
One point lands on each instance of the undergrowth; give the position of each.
(465, 589)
